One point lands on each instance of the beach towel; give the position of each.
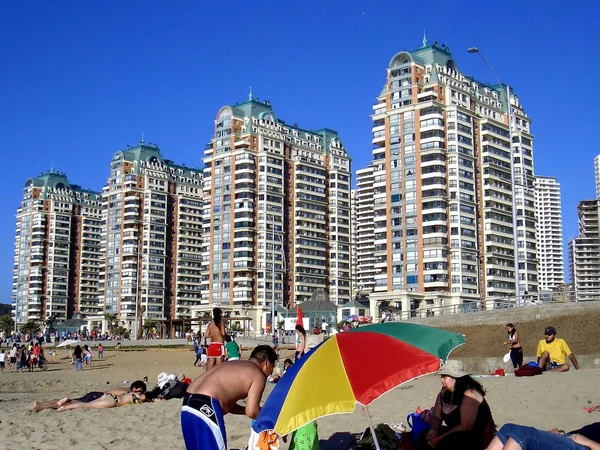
(267, 440)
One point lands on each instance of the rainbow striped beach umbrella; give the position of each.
(355, 366)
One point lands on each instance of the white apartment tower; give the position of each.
(597, 175)
(549, 233)
(442, 191)
(364, 226)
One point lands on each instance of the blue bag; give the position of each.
(417, 424)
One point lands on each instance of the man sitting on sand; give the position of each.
(137, 387)
(106, 401)
(216, 393)
(552, 353)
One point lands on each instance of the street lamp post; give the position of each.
(273, 276)
(512, 171)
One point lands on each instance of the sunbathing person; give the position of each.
(107, 401)
(519, 437)
(136, 387)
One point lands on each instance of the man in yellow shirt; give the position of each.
(552, 353)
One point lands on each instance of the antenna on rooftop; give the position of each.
(142, 141)
(52, 167)
(250, 94)
(424, 39)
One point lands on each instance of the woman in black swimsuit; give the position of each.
(516, 349)
(461, 416)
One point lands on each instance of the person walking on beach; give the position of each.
(552, 353)
(78, 358)
(100, 351)
(216, 332)
(516, 349)
(216, 393)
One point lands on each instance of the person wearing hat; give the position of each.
(552, 353)
(462, 418)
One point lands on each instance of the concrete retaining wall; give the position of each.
(504, 316)
(489, 365)
(134, 343)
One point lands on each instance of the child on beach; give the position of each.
(305, 438)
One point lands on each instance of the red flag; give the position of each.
(299, 317)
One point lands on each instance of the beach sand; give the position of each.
(546, 401)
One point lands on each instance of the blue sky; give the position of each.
(80, 80)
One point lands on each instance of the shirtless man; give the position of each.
(137, 387)
(216, 393)
(215, 331)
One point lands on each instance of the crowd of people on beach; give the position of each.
(23, 357)
(460, 418)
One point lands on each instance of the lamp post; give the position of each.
(512, 171)
(273, 275)
(280, 234)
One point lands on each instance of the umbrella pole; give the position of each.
(366, 410)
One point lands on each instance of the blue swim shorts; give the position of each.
(202, 423)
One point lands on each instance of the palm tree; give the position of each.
(30, 327)
(110, 318)
(7, 324)
(147, 325)
(121, 331)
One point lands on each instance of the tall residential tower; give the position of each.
(549, 233)
(584, 251)
(57, 250)
(277, 211)
(152, 237)
(443, 186)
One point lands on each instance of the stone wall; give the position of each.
(503, 316)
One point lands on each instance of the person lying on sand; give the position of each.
(107, 401)
(519, 437)
(136, 387)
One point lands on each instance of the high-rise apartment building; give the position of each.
(353, 244)
(584, 251)
(443, 185)
(364, 227)
(597, 175)
(57, 250)
(152, 237)
(549, 233)
(277, 211)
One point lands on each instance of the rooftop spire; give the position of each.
(424, 39)
(250, 94)
(52, 167)
(142, 141)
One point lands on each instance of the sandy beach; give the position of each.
(544, 401)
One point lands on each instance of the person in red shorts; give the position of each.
(216, 332)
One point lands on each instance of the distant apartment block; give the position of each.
(57, 250)
(440, 186)
(597, 175)
(277, 211)
(584, 251)
(549, 233)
